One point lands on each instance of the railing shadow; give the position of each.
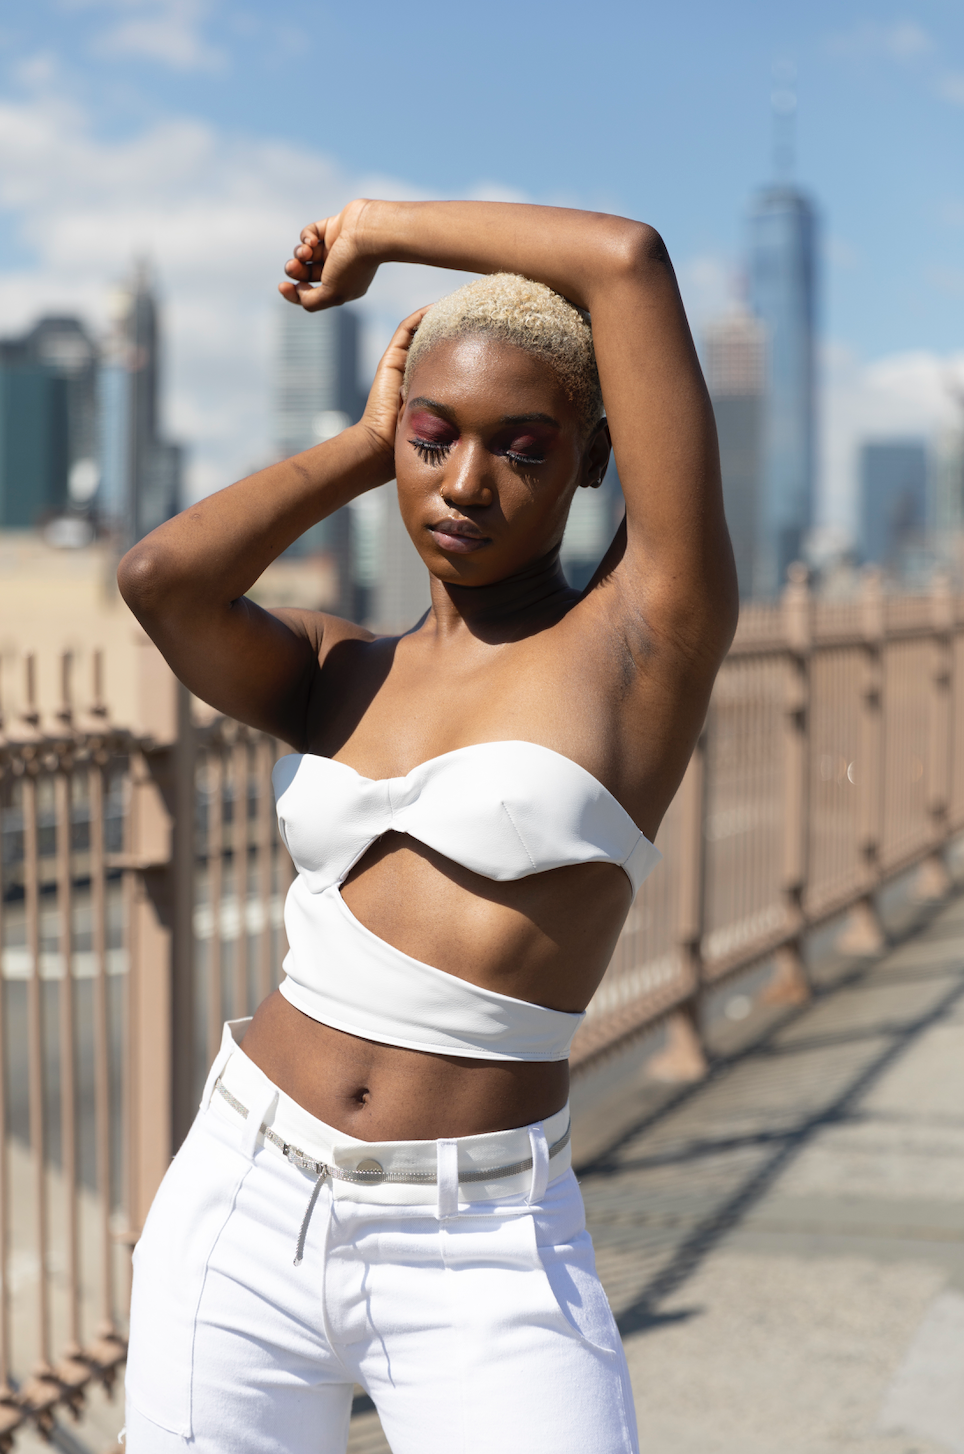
(643, 1313)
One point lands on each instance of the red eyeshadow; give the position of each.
(431, 427)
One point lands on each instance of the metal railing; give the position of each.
(141, 905)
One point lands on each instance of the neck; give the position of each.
(532, 599)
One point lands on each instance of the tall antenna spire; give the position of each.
(783, 105)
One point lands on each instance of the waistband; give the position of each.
(523, 1161)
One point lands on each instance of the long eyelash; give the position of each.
(428, 452)
(523, 458)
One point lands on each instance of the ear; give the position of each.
(595, 459)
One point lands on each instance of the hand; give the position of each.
(384, 400)
(329, 265)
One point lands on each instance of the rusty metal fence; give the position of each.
(142, 894)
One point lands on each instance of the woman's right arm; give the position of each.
(185, 582)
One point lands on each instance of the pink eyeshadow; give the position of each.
(430, 426)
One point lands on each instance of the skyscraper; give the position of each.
(48, 421)
(735, 360)
(782, 294)
(893, 503)
(33, 445)
(140, 473)
(316, 396)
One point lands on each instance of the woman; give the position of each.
(377, 1187)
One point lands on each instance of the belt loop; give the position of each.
(224, 1054)
(540, 1163)
(258, 1112)
(448, 1178)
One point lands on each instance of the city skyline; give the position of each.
(167, 130)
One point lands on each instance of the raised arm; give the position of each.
(674, 563)
(185, 582)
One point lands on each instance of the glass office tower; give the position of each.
(734, 355)
(140, 472)
(316, 396)
(782, 293)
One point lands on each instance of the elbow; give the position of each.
(143, 579)
(637, 249)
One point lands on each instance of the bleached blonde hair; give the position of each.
(527, 314)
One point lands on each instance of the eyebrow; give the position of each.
(530, 419)
(448, 413)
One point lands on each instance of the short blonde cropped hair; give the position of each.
(527, 314)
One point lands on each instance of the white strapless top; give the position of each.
(501, 809)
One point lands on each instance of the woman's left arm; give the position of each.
(674, 565)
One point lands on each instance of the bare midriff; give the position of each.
(546, 938)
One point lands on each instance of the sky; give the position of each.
(203, 134)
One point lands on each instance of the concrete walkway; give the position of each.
(783, 1245)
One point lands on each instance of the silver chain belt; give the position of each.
(375, 1176)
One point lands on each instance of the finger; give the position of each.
(314, 297)
(303, 271)
(303, 295)
(314, 235)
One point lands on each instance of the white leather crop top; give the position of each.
(501, 809)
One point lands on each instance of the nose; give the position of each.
(467, 481)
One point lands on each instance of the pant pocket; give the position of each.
(513, 1274)
(192, 1206)
(570, 1273)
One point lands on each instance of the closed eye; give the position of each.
(525, 459)
(430, 451)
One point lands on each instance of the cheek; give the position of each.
(413, 490)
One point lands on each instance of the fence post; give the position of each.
(151, 903)
(790, 984)
(683, 1057)
(182, 943)
(933, 879)
(864, 933)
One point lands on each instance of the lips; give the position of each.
(459, 537)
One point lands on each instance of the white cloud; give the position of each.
(900, 395)
(904, 40)
(217, 216)
(167, 31)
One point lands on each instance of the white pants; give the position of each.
(475, 1326)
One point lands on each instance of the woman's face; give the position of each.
(488, 452)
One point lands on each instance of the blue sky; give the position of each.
(205, 133)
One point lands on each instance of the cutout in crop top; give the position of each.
(501, 809)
